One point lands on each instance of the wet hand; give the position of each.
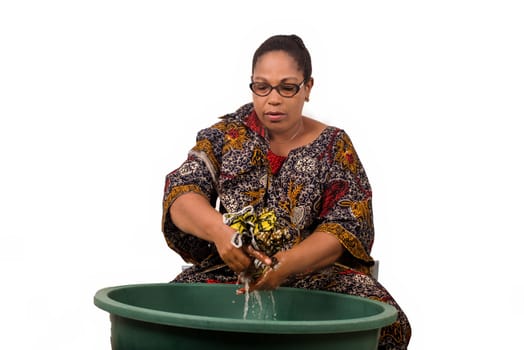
(236, 258)
(273, 276)
(258, 255)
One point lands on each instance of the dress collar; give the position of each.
(254, 124)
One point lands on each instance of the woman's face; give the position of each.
(277, 113)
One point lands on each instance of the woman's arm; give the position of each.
(192, 213)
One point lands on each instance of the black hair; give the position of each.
(292, 45)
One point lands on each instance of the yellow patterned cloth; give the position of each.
(257, 229)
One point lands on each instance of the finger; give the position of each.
(243, 260)
(238, 267)
(262, 283)
(259, 255)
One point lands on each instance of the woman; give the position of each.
(289, 186)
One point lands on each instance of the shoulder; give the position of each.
(239, 115)
(227, 122)
(313, 126)
(336, 145)
(317, 129)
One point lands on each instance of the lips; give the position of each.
(275, 115)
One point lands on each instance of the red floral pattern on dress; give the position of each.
(334, 192)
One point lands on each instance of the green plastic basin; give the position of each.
(212, 316)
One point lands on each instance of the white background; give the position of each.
(99, 100)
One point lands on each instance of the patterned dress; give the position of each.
(321, 186)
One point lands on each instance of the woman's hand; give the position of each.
(317, 251)
(238, 259)
(273, 276)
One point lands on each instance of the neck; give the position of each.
(295, 133)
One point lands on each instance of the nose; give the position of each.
(274, 98)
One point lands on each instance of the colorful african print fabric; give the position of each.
(321, 186)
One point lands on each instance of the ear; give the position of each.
(308, 86)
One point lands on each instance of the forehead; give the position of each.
(276, 65)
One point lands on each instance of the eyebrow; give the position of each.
(281, 81)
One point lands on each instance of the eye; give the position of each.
(261, 86)
(288, 88)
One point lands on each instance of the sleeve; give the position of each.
(198, 174)
(346, 210)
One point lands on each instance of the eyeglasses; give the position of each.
(283, 89)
